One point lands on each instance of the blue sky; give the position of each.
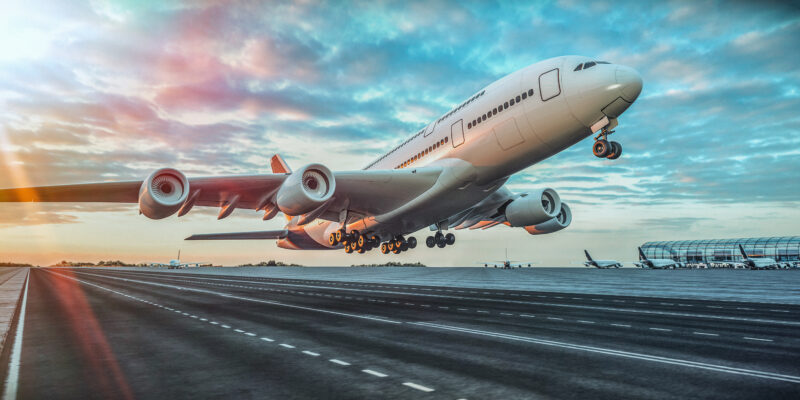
(106, 90)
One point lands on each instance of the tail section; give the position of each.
(588, 257)
(741, 249)
(641, 255)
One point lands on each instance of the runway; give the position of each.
(93, 333)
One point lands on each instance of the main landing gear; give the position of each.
(440, 240)
(362, 243)
(602, 148)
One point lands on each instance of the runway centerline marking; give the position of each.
(339, 362)
(705, 334)
(288, 346)
(374, 373)
(310, 353)
(418, 387)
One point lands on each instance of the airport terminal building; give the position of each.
(780, 248)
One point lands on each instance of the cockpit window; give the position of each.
(603, 62)
(579, 67)
(589, 64)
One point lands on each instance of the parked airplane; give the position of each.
(758, 262)
(176, 264)
(506, 264)
(450, 174)
(656, 263)
(602, 264)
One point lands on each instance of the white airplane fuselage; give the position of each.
(553, 108)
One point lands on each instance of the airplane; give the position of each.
(656, 263)
(506, 264)
(757, 262)
(449, 175)
(602, 264)
(177, 264)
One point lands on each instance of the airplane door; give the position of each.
(457, 133)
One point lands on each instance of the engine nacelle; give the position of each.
(534, 208)
(561, 221)
(305, 190)
(163, 193)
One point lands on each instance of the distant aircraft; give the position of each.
(602, 264)
(758, 262)
(506, 264)
(451, 174)
(656, 263)
(177, 264)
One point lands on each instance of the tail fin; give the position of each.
(641, 254)
(588, 257)
(179, 255)
(743, 252)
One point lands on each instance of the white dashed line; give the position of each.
(660, 329)
(527, 316)
(311, 353)
(340, 362)
(585, 322)
(225, 326)
(374, 373)
(288, 346)
(238, 330)
(556, 318)
(621, 325)
(418, 387)
(249, 334)
(759, 339)
(705, 334)
(215, 323)
(266, 339)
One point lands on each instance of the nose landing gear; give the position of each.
(602, 148)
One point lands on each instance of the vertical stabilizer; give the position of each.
(588, 257)
(642, 257)
(179, 255)
(741, 249)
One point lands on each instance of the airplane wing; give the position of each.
(361, 192)
(278, 234)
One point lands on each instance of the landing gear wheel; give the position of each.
(384, 248)
(616, 151)
(361, 250)
(353, 236)
(400, 244)
(390, 245)
(332, 239)
(440, 240)
(347, 248)
(339, 235)
(374, 241)
(441, 244)
(450, 238)
(601, 148)
(362, 241)
(396, 250)
(430, 241)
(412, 242)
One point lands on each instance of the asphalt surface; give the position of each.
(123, 334)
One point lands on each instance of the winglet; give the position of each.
(641, 254)
(588, 257)
(743, 252)
(279, 165)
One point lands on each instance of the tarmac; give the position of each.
(111, 333)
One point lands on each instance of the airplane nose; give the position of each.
(630, 83)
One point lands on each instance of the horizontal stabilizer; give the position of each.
(241, 235)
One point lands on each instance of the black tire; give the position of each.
(430, 241)
(403, 246)
(340, 235)
(384, 248)
(441, 245)
(450, 239)
(332, 239)
(412, 242)
(616, 151)
(440, 241)
(601, 148)
(362, 241)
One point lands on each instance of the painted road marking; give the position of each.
(660, 329)
(621, 325)
(585, 322)
(374, 373)
(759, 339)
(288, 346)
(12, 380)
(311, 353)
(340, 362)
(705, 334)
(418, 387)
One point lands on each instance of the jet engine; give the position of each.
(561, 221)
(533, 208)
(163, 193)
(305, 190)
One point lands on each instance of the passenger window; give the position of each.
(500, 108)
(489, 114)
(469, 125)
(589, 64)
(494, 112)
(530, 92)
(511, 102)
(446, 139)
(578, 68)
(474, 122)
(517, 99)
(505, 105)
(524, 95)
(483, 117)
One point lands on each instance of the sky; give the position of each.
(112, 90)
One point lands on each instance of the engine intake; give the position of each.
(533, 208)
(561, 221)
(163, 193)
(305, 190)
